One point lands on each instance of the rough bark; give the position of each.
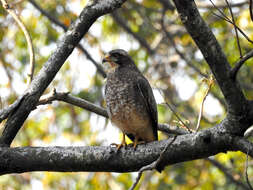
(103, 158)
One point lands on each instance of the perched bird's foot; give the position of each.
(123, 143)
(119, 146)
(136, 142)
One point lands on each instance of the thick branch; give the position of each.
(103, 158)
(65, 28)
(65, 47)
(212, 52)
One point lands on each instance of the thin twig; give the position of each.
(229, 21)
(169, 129)
(220, 11)
(174, 112)
(246, 171)
(224, 17)
(153, 165)
(221, 17)
(239, 63)
(248, 133)
(236, 32)
(203, 5)
(7, 7)
(158, 164)
(177, 116)
(50, 97)
(144, 168)
(210, 83)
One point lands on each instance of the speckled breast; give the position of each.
(119, 98)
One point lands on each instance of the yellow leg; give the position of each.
(123, 143)
(135, 142)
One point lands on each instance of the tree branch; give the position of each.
(236, 32)
(65, 47)
(65, 28)
(4, 113)
(224, 17)
(66, 97)
(214, 56)
(210, 82)
(243, 145)
(204, 5)
(239, 64)
(104, 158)
(250, 10)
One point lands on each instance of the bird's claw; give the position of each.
(118, 146)
(135, 143)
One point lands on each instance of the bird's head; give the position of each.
(116, 58)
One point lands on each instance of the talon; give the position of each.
(122, 144)
(136, 142)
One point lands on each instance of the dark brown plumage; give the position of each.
(129, 98)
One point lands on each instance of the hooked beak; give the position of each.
(109, 63)
(107, 58)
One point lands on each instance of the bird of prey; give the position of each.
(130, 102)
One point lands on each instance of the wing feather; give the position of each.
(146, 92)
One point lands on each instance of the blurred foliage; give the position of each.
(178, 82)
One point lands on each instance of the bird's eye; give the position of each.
(116, 55)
